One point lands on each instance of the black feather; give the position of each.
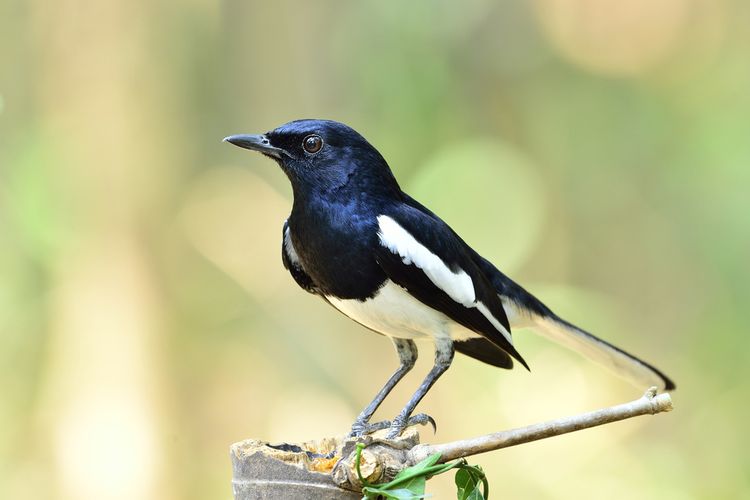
(484, 351)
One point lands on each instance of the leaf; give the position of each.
(468, 479)
(416, 485)
(439, 469)
(466, 483)
(475, 494)
(372, 492)
(417, 468)
(410, 483)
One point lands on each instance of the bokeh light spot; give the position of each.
(489, 193)
(612, 37)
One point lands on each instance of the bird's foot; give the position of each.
(396, 426)
(361, 428)
(401, 422)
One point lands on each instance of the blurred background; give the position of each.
(598, 152)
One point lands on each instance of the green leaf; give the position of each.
(410, 483)
(414, 477)
(417, 468)
(372, 492)
(466, 483)
(467, 480)
(475, 494)
(416, 485)
(439, 469)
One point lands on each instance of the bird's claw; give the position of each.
(396, 426)
(360, 428)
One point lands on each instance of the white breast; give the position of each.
(396, 313)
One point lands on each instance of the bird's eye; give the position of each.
(312, 143)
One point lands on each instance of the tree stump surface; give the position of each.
(264, 471)
(321, 469)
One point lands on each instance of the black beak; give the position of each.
(258, 143)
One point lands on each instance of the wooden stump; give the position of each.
(263, 471)
(323, 469)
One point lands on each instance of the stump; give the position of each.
(321, 469)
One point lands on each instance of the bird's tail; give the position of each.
(618, 361)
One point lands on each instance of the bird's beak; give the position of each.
(258, 143)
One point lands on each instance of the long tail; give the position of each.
(613, 358)
(525, 310)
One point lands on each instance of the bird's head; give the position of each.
(322, 156)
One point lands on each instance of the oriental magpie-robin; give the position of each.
(380, 257)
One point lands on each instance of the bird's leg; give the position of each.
(407, 355)
(443, 357)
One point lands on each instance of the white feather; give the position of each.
(456, 284)
(394, 312)
(289, 247)
(491, 318)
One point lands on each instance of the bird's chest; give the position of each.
(335, 248)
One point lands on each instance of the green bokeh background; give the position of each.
(598, 152)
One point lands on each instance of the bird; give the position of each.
(358, 241)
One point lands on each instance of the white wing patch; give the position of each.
(457, 285)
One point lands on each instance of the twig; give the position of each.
(649, 404)
(304, 470)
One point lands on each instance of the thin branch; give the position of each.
(293, 470)
(649, 404)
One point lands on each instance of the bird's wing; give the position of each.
(530, 311)
(291, 261)
(422, 254)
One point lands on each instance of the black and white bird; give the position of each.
(384, 260)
